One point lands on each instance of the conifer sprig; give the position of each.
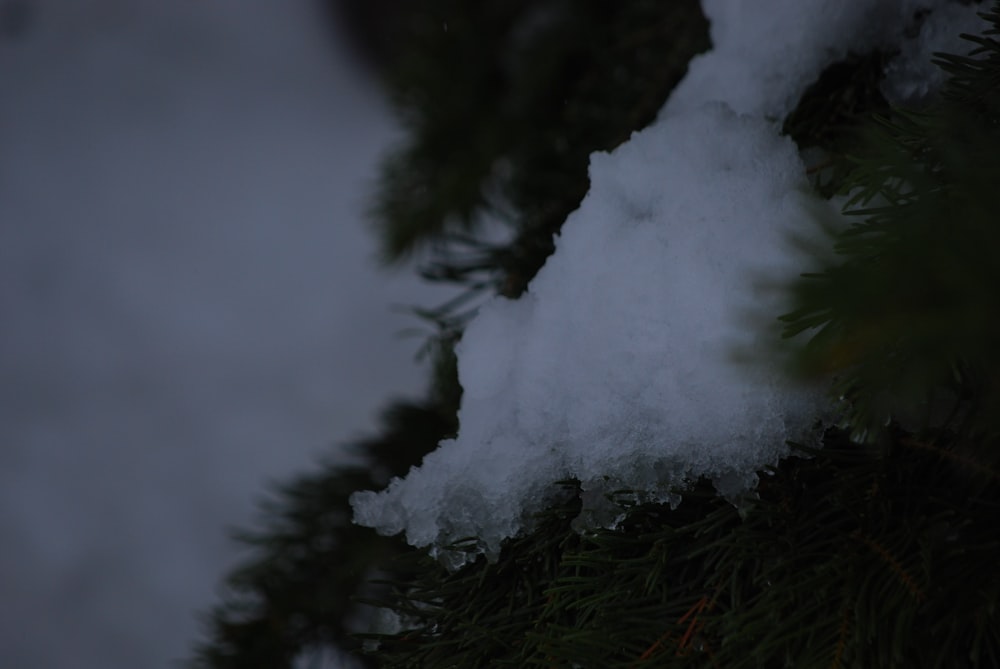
(908, 314)
(877, 556)
(850, 556)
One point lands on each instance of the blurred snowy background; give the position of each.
(189, 303)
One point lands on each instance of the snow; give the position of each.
(626, 363)
(189, 301)
(911, 76)
(765, 53)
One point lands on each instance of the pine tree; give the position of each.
(876, 550)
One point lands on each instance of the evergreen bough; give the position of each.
(907, 311)
(850, 557)
(879, 554)
(877, 550)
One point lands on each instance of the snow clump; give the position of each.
(617, 368)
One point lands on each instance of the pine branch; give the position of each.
(844, 560)
(907, 314)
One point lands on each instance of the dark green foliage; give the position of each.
(907, 312)
(310, 561)
(846, 94)
(877, 555)
(880, 555)
(851, 556)
(827, 120)
(504, 103)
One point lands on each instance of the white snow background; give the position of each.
(618, 366)
(189, 305)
